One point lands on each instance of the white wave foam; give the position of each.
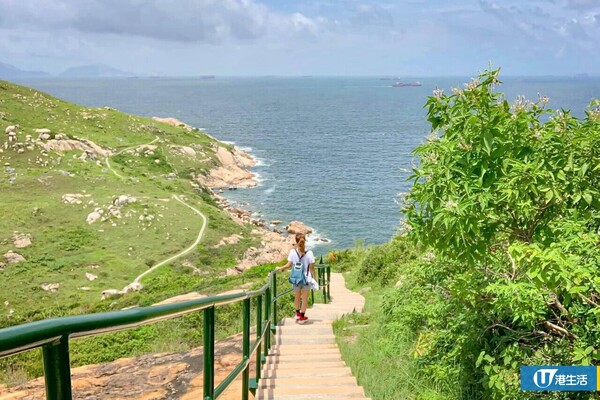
(315, 239)
(245, 149)
(271, 189)
(260, 162)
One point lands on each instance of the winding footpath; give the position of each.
(183, 252)
(304, 362)
(107, 159)
(137, 280)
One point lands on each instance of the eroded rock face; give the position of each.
(232, 172)
(71, 144)
(173, 376)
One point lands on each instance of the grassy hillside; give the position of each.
(128, 238)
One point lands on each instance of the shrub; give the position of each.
(506, 198)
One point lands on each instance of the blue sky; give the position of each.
(304, 37)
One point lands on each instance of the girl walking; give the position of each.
(299, 255)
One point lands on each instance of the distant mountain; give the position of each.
(8, 71)
(95, 71)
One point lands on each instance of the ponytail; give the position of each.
(301, 242)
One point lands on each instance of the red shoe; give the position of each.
(302, 319)
(298, 315)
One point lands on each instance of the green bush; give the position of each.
(506, 198)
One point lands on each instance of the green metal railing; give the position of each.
(53, 335)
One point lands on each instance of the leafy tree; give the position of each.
(506, 197)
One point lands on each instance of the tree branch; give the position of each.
(558, 329)
(589, 301)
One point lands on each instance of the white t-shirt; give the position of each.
(306, 260)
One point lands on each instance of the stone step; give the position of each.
(307, 382)
(313, 392)
(295, 358)
(304, 361)
(313, 365)
(304, 340)
(299, 373)
(304, 330)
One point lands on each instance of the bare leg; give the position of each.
(297, 300)
(304, 300)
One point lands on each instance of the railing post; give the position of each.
(209, 353)
(274, 324)
(259, 327)
(328, 268)
(268, 320)
(57, 370)
(246, 349)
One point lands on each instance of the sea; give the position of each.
(333, 152)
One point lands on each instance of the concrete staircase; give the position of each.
(304, 362)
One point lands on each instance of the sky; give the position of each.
(304, 37)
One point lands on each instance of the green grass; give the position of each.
(380, 353)
(383, 366)
(65, 247)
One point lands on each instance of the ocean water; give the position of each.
(333, 152)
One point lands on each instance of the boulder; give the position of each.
(107, 294)
(122, 200)
(50, 287)
(42, 131)
(21, 240)
(44, 136)
(72, 198)
(298, 227)
(93, 217)
(132, 287)
(10, 128)
(90, 277)
(13, 258)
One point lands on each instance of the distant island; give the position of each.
(95, 71)
(8, 71)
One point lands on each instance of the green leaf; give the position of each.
(488, 141)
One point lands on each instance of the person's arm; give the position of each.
(286, 266)
(312, 271)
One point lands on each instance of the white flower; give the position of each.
(472, 85)
(438, 93)
(433, 137)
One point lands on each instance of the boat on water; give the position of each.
(404, 84)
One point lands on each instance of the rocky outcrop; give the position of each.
(273, 248)
(183, 151)
(298, 227)
(232, 171)
(233, 239)
(180, 298)
(71, 144)
(153, 376)
(173, 122)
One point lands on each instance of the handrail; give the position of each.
(53, 335)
